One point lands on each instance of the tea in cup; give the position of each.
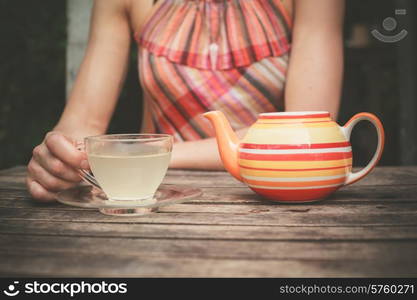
(128, 166)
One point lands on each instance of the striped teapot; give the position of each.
(293, 157)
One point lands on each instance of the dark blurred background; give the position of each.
(379, 78)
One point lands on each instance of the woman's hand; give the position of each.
(53, 166)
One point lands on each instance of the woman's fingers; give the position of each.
(53, 165)
(39, 192)
(64, 150)
(45, 179)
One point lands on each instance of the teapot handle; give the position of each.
(347, 129)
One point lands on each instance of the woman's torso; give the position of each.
(201, 55)
(137, 10)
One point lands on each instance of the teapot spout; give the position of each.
(227, 142)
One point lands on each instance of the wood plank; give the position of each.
(279, 216)
(271, 211)
(380, 176)
(240, 207)
(14, 170)
(367, 229)
(87, 265)
(381, 195)
(266, 208)
(307, 209)
(219, 249)
(209, 232)
(12, 182)
(368, 257)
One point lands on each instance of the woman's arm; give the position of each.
(316, 64)
(101, 75)
(53, 165)
(202, 154)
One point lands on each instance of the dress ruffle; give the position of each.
(216, 34)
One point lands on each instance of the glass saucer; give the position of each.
(91, 197)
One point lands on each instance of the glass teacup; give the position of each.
(127, 166)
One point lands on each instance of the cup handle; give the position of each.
(86, 176)
(347, 129)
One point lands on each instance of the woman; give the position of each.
(195, 56)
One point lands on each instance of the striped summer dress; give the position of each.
(202, 55)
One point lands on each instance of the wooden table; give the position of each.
(367, 229)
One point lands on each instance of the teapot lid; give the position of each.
(295, 114)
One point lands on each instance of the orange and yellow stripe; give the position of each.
(276, 166)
